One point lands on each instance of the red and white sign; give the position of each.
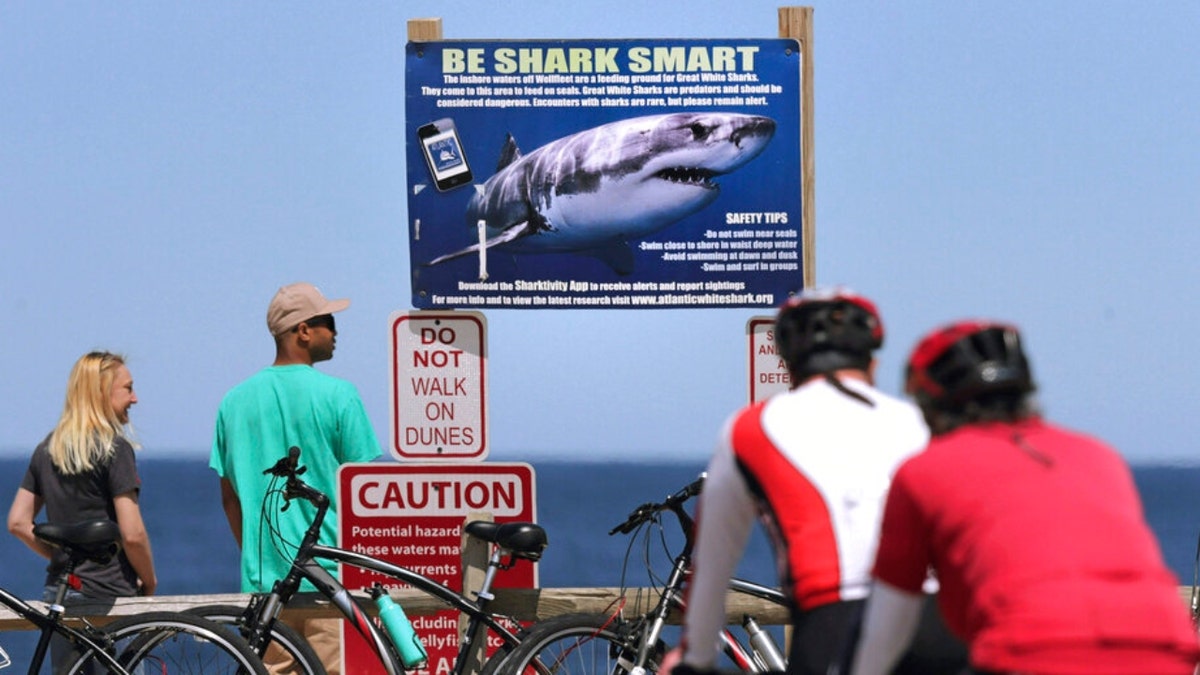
(439, 397)
(768, 372)
(412, 515)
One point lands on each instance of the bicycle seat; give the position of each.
(525, 540)
(94, 540)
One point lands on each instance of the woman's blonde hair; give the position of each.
(86, 432)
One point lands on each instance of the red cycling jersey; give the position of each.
(1044, 560)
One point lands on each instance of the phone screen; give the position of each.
(444, 154)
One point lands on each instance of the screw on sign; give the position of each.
(438, 385)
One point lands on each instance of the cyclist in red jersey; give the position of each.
(815, 463)
(1035, 533)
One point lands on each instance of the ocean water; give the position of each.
(577, 503)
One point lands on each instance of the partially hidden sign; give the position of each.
(439, 393)
(592, 174)
(412, 515)
(768, 371)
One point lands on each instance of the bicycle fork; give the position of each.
(265, 609)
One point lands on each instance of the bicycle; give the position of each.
(155, 641)
(593, 644)
(258, 623)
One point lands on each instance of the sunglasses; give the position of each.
(325, 320)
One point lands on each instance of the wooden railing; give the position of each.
(525, 604)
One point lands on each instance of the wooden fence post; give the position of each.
(475, 555)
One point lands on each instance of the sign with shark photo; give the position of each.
(604, 174)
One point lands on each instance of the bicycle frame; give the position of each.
(306, 567)
(49, 623)
(672, 598)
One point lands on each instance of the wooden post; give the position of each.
(475, 555)
(797, 23)
(424, 30)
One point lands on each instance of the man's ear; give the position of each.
(303, 333)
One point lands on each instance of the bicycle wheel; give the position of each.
(577, 644)
(159, 642)
(283, 636)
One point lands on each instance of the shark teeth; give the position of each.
(690, 176)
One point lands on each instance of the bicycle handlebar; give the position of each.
(289, 468)
(647, 511)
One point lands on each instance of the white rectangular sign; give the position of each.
(439, 394)
(768, 373)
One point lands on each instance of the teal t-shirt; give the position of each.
(259, 419)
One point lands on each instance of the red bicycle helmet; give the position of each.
(966, 360)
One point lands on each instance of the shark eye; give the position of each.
(700, 131)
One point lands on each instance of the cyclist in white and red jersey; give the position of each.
(1036, 533)
(815, 463)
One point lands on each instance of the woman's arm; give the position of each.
(25, 508)
(135, 540)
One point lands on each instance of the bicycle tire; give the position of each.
(283, 636)
(491, 666)
(175, 641)
(576, 644)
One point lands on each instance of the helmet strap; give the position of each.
(840, 386)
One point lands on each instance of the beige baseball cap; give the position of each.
(295, 303)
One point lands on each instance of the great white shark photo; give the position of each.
(595, 191)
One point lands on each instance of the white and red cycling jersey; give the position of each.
(815, 464)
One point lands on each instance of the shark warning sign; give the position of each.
(627, 174)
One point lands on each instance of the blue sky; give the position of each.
(164, 167)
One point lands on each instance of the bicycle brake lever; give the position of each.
(636, 517)
(287, 465)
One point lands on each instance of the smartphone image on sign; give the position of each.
(444, 154)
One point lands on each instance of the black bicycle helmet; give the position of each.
(968, 360)
(823, 330)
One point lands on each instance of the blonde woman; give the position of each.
(85, 469)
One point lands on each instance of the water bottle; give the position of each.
(764, 645)
(412, 652)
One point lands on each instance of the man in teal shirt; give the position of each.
(290, 404)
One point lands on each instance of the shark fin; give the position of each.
(509, 153)
(521, 229)
(617, 255)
